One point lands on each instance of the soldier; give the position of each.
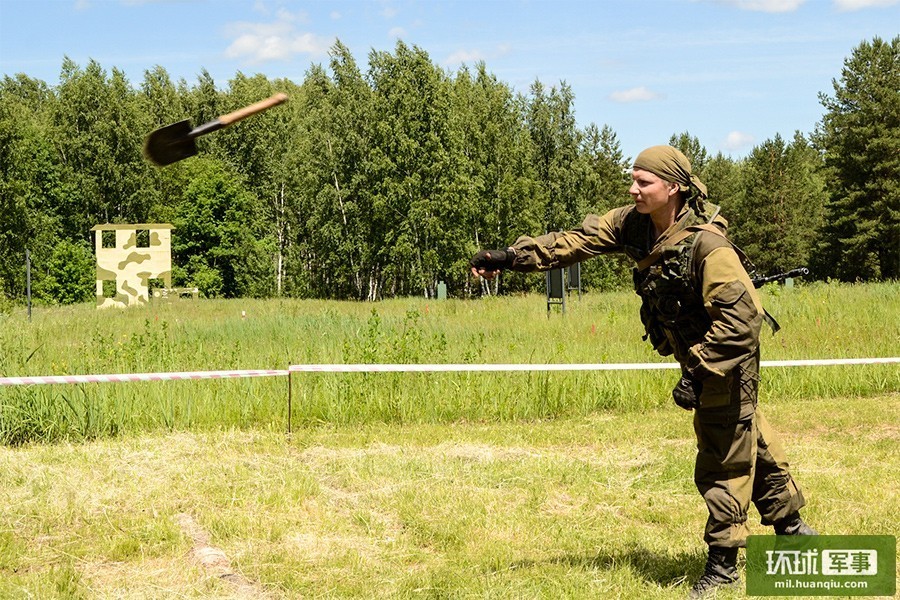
(698, 304)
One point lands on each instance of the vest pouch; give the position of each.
(654, 331)
(672, 261)
(637, 278)
(716, 391)
(669, 307)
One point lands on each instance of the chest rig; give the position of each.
(672, 308)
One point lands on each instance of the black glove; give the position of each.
(687, 393)
(493, 260)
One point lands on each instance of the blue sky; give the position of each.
(731, 72)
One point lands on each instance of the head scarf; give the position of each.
(670, 164)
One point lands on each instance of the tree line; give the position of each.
(384, 182)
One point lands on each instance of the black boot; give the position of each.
(721, 571)
(793, 525)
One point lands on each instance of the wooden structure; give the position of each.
(130, 260)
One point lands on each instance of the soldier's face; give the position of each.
(650, 192)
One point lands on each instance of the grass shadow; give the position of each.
(653, 566)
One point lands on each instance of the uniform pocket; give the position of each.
(729, 294)
(716, 391)
(725, 447)
(733, 303)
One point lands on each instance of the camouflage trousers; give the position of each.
(739, 459)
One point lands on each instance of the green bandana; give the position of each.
(670, 164)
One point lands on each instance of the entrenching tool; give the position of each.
(177, 141)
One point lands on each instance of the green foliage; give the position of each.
(383, 182)
(819, 321)
(603, 177)
(859, 135)
(722, 177)
(780, 209)
(220, 241)
(32, 183)
(68, 275)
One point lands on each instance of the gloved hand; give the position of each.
(687, 393)
(493, 260)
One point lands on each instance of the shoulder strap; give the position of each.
(674, 239)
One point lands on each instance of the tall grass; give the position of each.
(819, 321)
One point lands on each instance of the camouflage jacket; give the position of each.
(698, 302)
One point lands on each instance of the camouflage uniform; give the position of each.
(698, 304)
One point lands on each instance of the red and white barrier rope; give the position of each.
(121, 377)
(406, 368)
(456, 368)
(827, 362)
(450, 368)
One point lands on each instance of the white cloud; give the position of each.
(636, 94)
(287, 16)
(472, 56)
(280, 40)
(464, 56)
(396, 32)
(769, 6)
(144, 2)
(849, 5)
(738, 140)
(335, 15)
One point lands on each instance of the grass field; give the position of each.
(600, 506)
(407, 486)
(819, 321)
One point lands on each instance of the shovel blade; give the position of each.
(170, 144)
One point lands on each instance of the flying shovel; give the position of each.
(177, 141)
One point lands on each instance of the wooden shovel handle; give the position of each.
(243, 113)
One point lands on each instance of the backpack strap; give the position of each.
(676, 237)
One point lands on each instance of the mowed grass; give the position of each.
(599, 506)
(819, 321)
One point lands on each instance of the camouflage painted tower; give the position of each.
(128, 258)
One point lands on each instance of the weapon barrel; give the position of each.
(798, 272)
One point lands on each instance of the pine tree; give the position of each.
(780, 208)
(860, 138)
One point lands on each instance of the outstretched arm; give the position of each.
(597, 235)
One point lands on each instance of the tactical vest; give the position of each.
(672, 310)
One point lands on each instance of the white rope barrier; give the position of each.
(122, 377)
(456, 368)
(405, 368)
(398, 368)
(827, 362)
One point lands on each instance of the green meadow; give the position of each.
(464, 485)
(819, 321)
